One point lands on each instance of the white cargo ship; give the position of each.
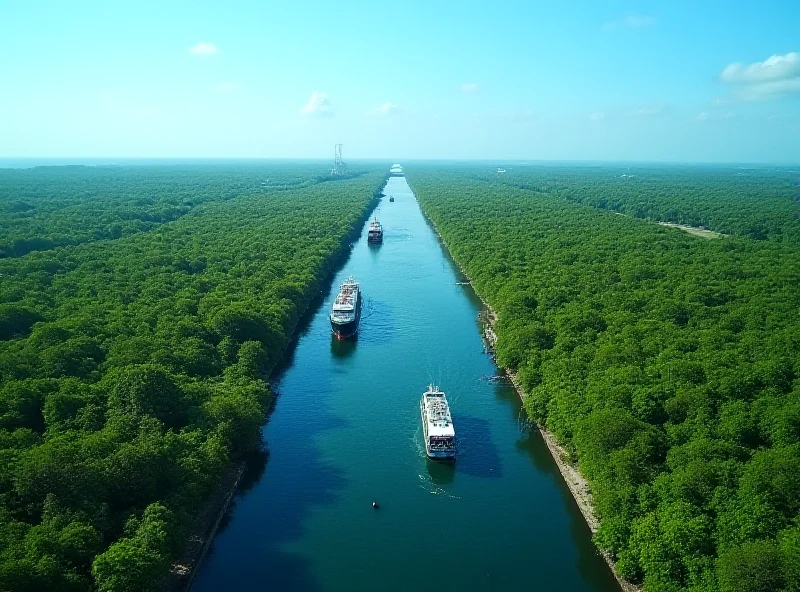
(346, 309)
(437, 425)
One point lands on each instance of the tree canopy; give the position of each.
(667, 364)
(140, 308)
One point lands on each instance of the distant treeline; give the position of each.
(667, 364)
(131, 369)
(48, 207)
(755, 203)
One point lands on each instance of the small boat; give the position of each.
(437, 425)
(391, 198)
(346, 309)
(375, 233)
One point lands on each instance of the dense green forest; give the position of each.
(668, 365)
(757, 203)
(49, 207)
(139, 307)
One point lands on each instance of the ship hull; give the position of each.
(442, 456)
(349, 328)
(344, 330)
(375, 239)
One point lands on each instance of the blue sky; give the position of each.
(681, 81)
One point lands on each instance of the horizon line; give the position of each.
(395, 159)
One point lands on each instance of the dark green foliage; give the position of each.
(140, 311)
(50, 207)
(667, 364)
(16, 320)
(137, 561)
(754, 567)
(790, 554)
(755, 203)
(142, 391)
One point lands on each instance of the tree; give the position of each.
(145, 390)
(752, 567)
(16, 320)
(789, 541)
(137, 562)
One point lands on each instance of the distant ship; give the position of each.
(437, 425)
(346, 309)
(375, 233)
(396, 171)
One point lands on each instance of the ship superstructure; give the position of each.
(437, 425)
(375, 232)
(346, 309)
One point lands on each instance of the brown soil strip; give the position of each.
(702, 233)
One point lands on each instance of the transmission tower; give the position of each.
(339, 167)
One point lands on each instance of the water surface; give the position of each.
(346, 431)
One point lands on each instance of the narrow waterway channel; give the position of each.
(346, 431)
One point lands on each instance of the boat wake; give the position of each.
(438, 475)
(434, 489)
(367, 308)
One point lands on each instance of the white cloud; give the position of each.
(776, 67)
(777, 75)
(386, 109)
(203, 49)
(469, 87)
(319, 104)
(769, 90)
(631, 22)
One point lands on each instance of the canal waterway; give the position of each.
(346, 430)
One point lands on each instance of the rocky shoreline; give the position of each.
(577, 483)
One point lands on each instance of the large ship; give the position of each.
(437, 425)
(375, 233)
(346, 309)
(396, 171)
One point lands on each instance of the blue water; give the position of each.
(346, 431)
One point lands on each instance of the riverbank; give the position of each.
(576, 482)
(183, 571)
(285, 531)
